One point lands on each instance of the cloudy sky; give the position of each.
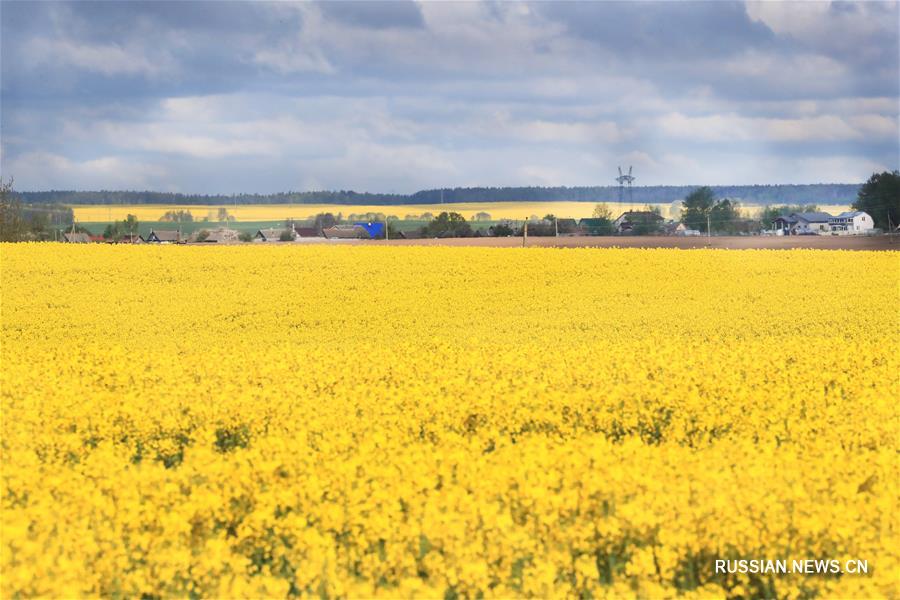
(221, 97)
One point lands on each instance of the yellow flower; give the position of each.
(439, 422)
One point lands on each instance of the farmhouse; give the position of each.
(345, 232)
(805, 223)
(630, 221)
(566, 226)
(76, 238)
(306, 232)
(130, 239)
(217, 236)
(165, 236)
(271, 235)
(594, 226)
(851, 223)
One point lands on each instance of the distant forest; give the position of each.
(819, 193)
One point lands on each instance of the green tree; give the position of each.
(602, 211)
(448, 225)
(696, 208)
(127, 228)
(324, 221)
(723, 215)
(880, 197)
(245, 236)
(38, 222)
(501, 230)
(12, 225)
(286, 236)
(111, 232)
(130, 226)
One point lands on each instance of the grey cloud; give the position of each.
(664, 31)
(374, 14)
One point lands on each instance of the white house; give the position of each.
(851, 223)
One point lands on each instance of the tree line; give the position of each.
(820, 193)
(701, 209)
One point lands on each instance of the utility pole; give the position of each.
(525, 232)
(556, 225)
(708, 228)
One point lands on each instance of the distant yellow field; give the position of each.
(271, 212)
(276, 212)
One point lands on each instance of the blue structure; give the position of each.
(373, 229)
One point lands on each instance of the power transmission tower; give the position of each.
(626, 180)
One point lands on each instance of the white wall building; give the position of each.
(851, 223)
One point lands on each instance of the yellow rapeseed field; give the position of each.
(446, 422)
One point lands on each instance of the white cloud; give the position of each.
(46, 170)
(508, 128)
(733, 128)
(290, 58)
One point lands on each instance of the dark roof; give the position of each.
(127, 239)
(307, 231)
(164, 235)
(567, 222)
(222, 235)
(812, 217)
(640, 215)
(344, 232)
(593, 222)
(270, 235)
(76, 238)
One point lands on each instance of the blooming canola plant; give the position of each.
(446, 422)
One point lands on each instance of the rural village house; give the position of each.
(822, 223)
(594, 226)
(803, 223)
(271, 235)
(628, 221)
(130, 239)
(567, 226)
(165, 236)
(306, 232)
(76, 238)
(217, 236)
(345, 232)
(851, 223)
